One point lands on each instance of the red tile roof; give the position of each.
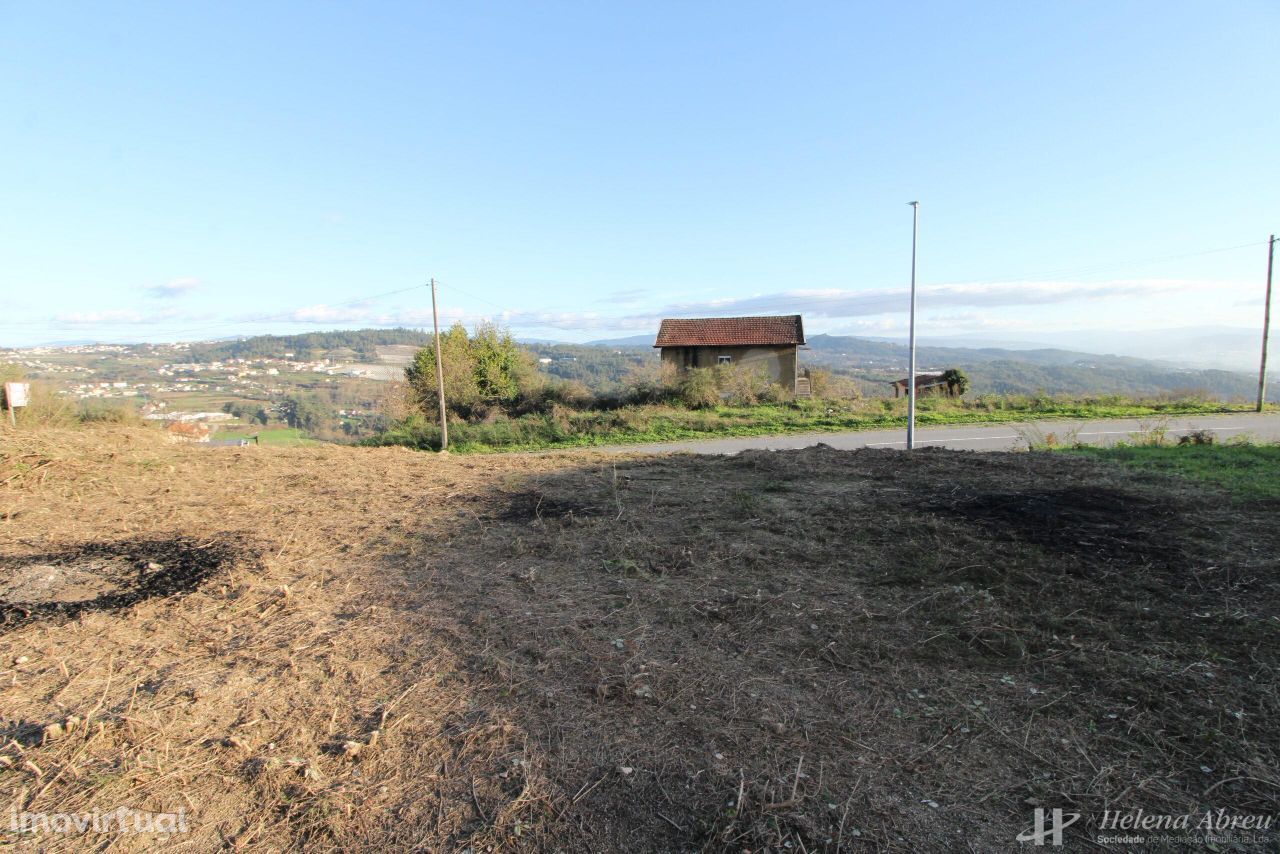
(730, 331)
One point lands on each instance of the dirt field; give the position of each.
(346, 649)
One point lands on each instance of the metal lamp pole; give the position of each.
(911, 378)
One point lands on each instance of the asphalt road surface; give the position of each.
(982, 437)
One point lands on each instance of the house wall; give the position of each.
(778, 362)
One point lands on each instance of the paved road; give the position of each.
(981, 437)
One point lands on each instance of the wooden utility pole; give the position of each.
(1266, 324)
(444, 418)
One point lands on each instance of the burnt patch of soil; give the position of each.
(105, 576)
(532, 505)
(1105, 523)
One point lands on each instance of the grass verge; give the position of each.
(1248, 472)
(287, 436)
(564, 428)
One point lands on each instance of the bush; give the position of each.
(649, 383)
(107, 413)
(775, 393)
(571, 394)
(45, 409)
(740, 385)
(1198, 437)
(699, 389)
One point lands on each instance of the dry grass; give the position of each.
(816, 649)
(236, 701)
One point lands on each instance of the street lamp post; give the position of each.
(911, 335)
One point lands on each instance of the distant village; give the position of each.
(227, 375)
(156, 381)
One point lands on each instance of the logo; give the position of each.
(1037, 834)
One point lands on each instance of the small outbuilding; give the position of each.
(768, 343)
(927, 382)
(187, 431)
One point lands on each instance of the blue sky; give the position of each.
(577, 170)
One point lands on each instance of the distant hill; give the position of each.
(1051, 371)
(1229, 348)
(362, 343)
(645, 340)
(599, 367)
(873, 364)
(869, 351)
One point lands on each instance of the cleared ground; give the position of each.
(813, 650)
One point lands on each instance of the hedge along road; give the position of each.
(983, 437)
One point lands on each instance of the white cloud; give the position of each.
(174, 287)
(977, 306)
(328, 314)
(896, 324)
(110, 315)
(834, 303)
(883, 303)
(872, 309)
(124, 316)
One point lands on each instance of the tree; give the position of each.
(460, 390)
(501, 369)
(482, 371)
(304, 413)
(956, 380)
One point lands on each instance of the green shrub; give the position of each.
(699, 389)
(101, 412)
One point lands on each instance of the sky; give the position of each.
(576, 171)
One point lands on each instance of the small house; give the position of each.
(768, 343)
(927, 382)
(186, 431)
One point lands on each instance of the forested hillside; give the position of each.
(362, 344)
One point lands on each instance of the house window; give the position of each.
(724, 360)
